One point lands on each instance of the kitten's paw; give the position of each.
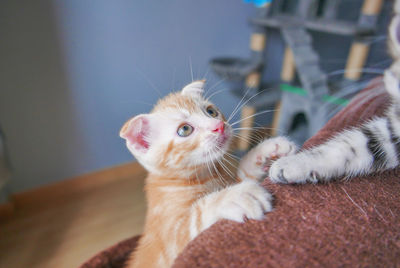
(256, 163)
(272, 149)
(246, 199)
(293, 169)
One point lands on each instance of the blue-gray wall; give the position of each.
(73, 71)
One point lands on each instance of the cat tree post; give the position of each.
(287, 76)
(359, 50)
(252, 82)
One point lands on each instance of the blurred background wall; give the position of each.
(73, 71)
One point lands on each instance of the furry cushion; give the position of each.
(352, 223)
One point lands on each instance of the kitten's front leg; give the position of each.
(322, 162)
(256, 162)
(246, 199)
(352, 152)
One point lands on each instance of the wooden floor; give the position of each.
(66, 232)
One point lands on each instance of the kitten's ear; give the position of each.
(136, 132)
(196, 88)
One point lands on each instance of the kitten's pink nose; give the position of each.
(219, 127)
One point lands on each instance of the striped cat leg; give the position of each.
(255, 163)
(245, 199)
(372, 147)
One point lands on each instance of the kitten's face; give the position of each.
(182, 133)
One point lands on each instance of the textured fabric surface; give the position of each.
(353, 223)
(113, 257)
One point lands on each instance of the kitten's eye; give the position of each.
(211, 111)
(184, 130)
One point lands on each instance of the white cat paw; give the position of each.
(293, 169)
(272, 149)
(245, 200)
(256, 163)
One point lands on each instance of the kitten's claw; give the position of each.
(245, 200)
(314, 177)
(281, 177)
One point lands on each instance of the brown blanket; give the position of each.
(352, 223)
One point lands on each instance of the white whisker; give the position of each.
(212, 87)
(237, 105)
(149, 82)
(207, 71)
(247, 101)
(191, 67)
(229, 162)
(208, 166)
(248, 139)
(216, 92)
(216, 170)
(232, 156)
(227, 171)
(259, 113)
(254, 128)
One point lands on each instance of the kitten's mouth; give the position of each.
(222, 140)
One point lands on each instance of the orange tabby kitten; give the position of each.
(182, 144)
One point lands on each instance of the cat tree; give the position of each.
(300, 57)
